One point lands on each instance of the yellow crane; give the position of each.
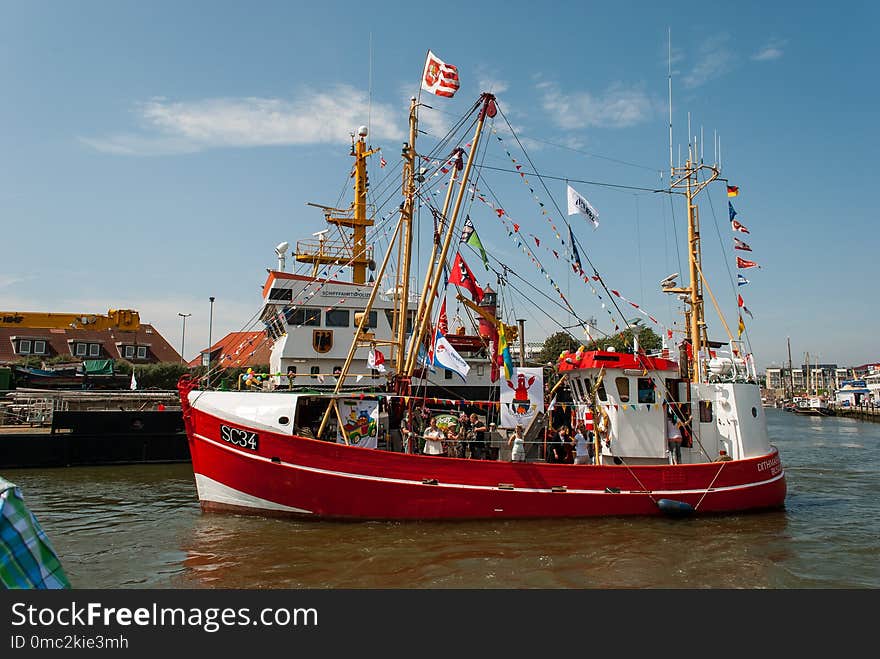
(121, 319)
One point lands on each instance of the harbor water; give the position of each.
(141, 527)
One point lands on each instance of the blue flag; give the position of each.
(576, 266)
(740, 280)
(730, 210)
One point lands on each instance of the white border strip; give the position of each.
(217, 492)
(381, 479)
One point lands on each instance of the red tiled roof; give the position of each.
(238, 349)
(58, 342)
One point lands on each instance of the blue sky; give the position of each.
(153, 154)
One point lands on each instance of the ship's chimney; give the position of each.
(281, 252)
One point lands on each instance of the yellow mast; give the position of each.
(427, 303)
(356, 254)
(401, 289)
(687, 177)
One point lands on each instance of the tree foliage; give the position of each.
(623, 341)
(554, 345)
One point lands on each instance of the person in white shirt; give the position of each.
(433, 439)
(581, 446)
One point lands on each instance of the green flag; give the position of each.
(470, 237)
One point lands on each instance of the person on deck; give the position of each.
(582, 446)
(673, 437)
(555, 449)
(517, 444)
(477, 437)
(433, 439)
(567, 442)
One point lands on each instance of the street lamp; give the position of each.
(210, 328)
(183, 336)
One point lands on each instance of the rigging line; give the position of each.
(594, 155)
(565, 220)
(586, 182)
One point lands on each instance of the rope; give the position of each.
(710, 486)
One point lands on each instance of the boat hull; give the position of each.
(298, 476)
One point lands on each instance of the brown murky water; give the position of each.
(141, 527)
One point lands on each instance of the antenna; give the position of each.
(669, 73)
(370, 93)
(715, 144)
(701, 142)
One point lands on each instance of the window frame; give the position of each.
(651, 389)
(622, 396)
(332, 313)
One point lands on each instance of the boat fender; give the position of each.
(675, 508)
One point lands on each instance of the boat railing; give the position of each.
(330, 250)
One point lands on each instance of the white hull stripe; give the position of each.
(382, 479)
(211, 490)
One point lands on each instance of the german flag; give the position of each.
(732, 190)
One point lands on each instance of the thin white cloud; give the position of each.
(771, 51)
(9, 280)
(312, 118)
(618, 106)
(493, 86)
(714, 59)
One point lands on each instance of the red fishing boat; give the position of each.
(349, 454)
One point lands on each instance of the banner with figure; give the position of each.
(361, 419)
(522, 397)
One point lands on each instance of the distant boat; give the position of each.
(814, 406)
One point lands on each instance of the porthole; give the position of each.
(755, 412)
(283, 420)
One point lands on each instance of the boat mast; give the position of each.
(688, 178)
(427, 301)
(790, 369)
(356, 255)
(401, 289)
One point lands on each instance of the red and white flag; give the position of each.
(736, 226)
(461, 275)
(382, 162)
(439, 77)
(739, 244)
(376, 360)
(742, 263)
(443, 320)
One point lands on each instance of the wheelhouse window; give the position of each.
(601, 394)
(645, 388)
(303, 316)
(622, 389)
(337, 318)
(577, 389)
(281, 294)
(372, 321)
(705, 411)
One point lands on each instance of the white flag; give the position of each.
(577, 204)
(445, 356)
(134, 382)
(439, 77)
